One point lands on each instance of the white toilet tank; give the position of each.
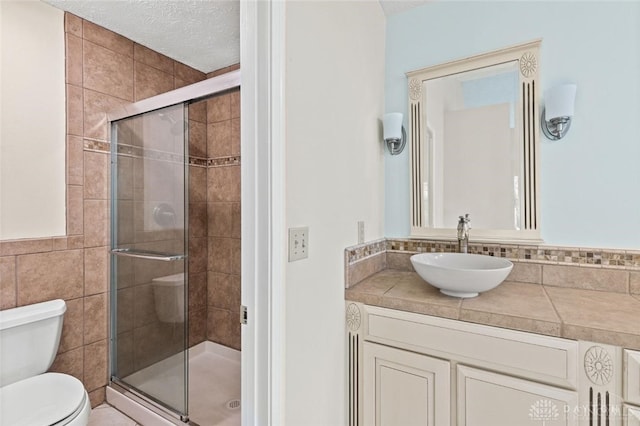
(29, 338)
(169, 296)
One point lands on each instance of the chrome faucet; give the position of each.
(463, 233)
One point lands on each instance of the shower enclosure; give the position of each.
(150, 301)
(149, 206)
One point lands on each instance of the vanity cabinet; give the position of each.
(404, 388)
(414, 369)
(486, 398)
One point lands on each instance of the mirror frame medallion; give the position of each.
(527, 127)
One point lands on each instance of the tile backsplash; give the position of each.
(587, 268)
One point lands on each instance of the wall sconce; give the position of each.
(556, 116)
(394, 134)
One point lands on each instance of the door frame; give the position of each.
(262, 47)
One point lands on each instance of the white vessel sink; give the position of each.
(461, 274)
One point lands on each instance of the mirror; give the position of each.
(474, 145)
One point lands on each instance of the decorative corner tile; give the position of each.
(363, 251)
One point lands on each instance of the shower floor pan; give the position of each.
(214, 386)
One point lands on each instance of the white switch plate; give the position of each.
(361, 232)
(298, 243)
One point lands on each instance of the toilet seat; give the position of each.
(45, 399)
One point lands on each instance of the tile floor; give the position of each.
(106, 415)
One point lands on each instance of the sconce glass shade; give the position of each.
(393, 125)
(558, 111)
(394, 134)
(560, 101)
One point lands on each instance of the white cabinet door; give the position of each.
(404, 388)
(490, 399)
(632, 416)
(632, 381)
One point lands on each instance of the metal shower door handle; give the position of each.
(148, 255)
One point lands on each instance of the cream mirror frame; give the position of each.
(426, 152)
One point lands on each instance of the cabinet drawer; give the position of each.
(632, 376)
(631, 416)
(542, 358)
(486, 398)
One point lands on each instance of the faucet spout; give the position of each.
(463, 233)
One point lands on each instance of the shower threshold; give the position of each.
(214, 388)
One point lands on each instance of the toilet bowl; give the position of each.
(168, 293)
(29, 396)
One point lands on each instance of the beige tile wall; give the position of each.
(103, 70)
(223, 197)
(223, 70)
(198, 249)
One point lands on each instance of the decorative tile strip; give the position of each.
(420, 246)
(171, 157)
(363, 251)
(140, 152)
(96, 145)
(133, 151)
(197, 161)
(570, 256)
(224, 161)
(152, 154)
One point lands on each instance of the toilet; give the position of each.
(168, 293)
(29, 396)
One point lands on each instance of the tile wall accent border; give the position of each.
(151, 154)
(96, 145)
(136, 151)
(233, 160)
(198, 161)
(40, 245)
(571, 256)
(363, 251)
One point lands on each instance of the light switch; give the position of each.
(298, 243)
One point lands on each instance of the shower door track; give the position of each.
(149, 402)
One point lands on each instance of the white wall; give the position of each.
(32, 117)
(334, 178)
(589, 180)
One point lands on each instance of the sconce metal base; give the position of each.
(556, 128)
(395, 145)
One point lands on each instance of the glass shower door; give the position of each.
(148, 257)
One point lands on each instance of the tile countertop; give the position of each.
(596, 316)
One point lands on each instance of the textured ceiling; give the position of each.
(203, 34)
(392, 7)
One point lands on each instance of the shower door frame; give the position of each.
(192, 92)
(184, 95)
